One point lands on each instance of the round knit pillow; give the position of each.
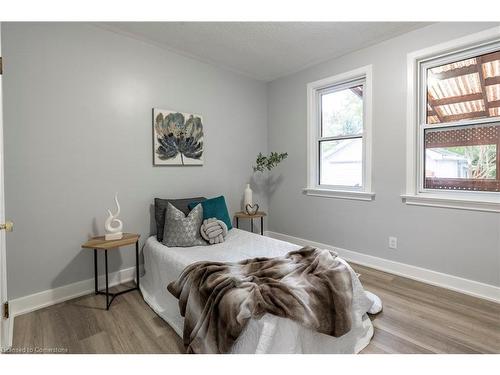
(214, 231)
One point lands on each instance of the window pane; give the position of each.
(463, 158)
(342, 112)
(464, 90)
(341, 162)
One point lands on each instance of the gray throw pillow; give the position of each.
(181, 230)
(161, 210)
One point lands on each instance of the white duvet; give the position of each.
(270, 334)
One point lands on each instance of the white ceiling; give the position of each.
(263, 50)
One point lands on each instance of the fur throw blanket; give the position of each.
(217, 299)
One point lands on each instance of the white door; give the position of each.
(4, 323)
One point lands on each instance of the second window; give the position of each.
(340, 142)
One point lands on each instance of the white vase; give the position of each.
(247, 197)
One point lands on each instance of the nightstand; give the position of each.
(258, 215)
(99, 243)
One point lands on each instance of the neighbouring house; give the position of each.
(443, 163)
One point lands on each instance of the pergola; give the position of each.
(465, 90)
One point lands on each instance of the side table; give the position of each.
(99, 243)
(258, 215)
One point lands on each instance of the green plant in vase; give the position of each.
(262, 163)
(268, 162)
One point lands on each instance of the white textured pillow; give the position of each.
(181, 230)
(214, 231)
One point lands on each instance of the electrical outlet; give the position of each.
(393, 242)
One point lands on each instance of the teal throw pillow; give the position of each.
(214, 207)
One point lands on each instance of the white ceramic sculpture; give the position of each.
(113, 232)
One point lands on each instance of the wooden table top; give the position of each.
(244, 215)
(101, 243)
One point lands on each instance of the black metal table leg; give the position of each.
(262, 225)
(111, 296)
(95, 272)
(237, 222)
(107, 286)
(251, 224)
(137, 263)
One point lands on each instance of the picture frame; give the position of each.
(178, 138)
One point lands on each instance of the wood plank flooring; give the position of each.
(417, 318)
(83, 325)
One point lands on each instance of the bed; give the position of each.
(270, 334)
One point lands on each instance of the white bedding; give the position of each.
(270, 334)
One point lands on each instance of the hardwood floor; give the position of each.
(83, 325)
(417, 318)
(421, 318)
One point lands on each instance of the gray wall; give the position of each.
(77, 127)
(461, 243)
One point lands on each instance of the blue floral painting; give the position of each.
(177, 138)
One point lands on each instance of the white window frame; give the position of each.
(417, 62)
(314, 91)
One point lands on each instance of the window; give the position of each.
(461, 127)
(339, 118)
(456, 132)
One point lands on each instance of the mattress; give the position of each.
(269, 334)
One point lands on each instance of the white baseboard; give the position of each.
(458, 284)
(11, 332)
(50, 297)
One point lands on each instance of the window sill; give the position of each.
(340, 194)
(429, 200)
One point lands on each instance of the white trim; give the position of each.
(446, 202)
(36, 301)
(5, 324)
(50, 297)
(313, 88)
(341, 194)
(10, 336)
(443, 280)
(437, 198)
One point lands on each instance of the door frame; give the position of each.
(5, 328)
